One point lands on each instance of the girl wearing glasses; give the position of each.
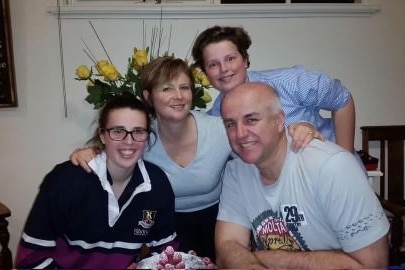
(191, 147)
(101, 220)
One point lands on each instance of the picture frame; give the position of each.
(8, 94)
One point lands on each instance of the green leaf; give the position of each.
(198, 103)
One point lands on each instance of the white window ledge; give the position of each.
(175, 11)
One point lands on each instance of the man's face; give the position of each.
(253, 129)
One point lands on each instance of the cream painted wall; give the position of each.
(366, 53)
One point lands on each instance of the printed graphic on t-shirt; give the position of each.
(280, 229)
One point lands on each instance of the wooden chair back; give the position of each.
(391, 158)
(5, 253)
(391, 146)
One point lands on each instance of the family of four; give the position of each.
(269, 184)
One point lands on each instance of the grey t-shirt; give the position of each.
(321, 201)
(198, 185)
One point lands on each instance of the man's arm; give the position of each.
(374, 256)
(232, 244)
(344, 121)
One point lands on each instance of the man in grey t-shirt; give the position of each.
(313, 209)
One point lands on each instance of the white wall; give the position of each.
(366, 53)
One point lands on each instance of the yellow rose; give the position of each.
(200, 78)
(110, 73)
(206, 97)
(204, 81)
(100, 64)
(195, 75)
(83, 72)
(139, 58)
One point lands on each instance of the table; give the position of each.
(5, 253)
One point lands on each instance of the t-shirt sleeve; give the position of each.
(354, 213)
(230, 205)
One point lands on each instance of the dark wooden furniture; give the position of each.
(5, 253)
(391, 145)
(8, 93)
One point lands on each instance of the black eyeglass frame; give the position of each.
(133, 133)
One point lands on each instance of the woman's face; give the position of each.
(125, 153)
(224, 65)
(172, 100)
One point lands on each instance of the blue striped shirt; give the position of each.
(303, 94)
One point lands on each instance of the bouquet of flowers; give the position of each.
(104, 81)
